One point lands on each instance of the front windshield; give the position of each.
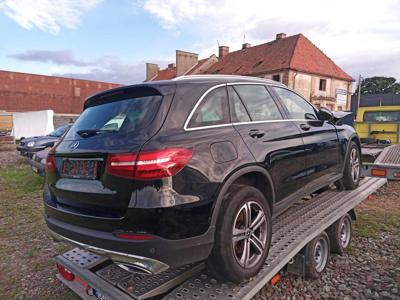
(59, 131)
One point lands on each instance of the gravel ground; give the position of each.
(369, 270)
(371, 267)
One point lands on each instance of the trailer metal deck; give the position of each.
(291, 232)
(387, 164)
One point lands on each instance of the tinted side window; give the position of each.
(297, 106)
(258, 102)
(213, 109)
(238, 111)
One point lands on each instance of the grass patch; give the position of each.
(25, 247)
(20, 182)
(370, 224)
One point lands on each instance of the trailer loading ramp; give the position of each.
(291, 232)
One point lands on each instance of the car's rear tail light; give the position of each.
(148, 165)
(396, 174)
(50, 164)
(65, 273)
(121, 165)
(378, 172)
(133, 236)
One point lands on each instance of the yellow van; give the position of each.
(379, 123)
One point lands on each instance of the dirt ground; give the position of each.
(371, 267)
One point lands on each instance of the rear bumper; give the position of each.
(152, 265)
(154, 255)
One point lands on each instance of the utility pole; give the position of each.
(359, 91)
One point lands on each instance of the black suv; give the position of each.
(166, 173)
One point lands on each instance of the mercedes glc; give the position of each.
(162, 174)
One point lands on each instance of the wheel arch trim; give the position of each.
(352, 138)
(232, 178)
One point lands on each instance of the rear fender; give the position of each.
(231, 179)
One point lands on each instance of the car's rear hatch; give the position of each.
(81, 189)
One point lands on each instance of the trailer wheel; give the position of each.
(340, 234)
(317, 256)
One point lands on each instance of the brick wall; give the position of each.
(60, 119)
(30, 92)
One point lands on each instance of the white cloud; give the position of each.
(345, 30)
(48, 15)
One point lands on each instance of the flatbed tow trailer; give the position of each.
(92, 276)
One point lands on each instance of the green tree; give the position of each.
(379, 85)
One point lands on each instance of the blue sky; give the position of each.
(110, 40)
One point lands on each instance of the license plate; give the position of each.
(100, 295)
(76, 168)
(34, 169)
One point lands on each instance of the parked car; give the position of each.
(196, 171)
(38, 161)
(28, 146)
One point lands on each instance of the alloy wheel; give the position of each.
(249, 234)
(354, 164)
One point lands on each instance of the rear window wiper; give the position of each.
(91, 132)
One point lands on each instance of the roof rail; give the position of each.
(227, 76)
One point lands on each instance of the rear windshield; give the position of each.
(117, 117)
(382, 116)
(59, 131)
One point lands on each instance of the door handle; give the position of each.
(256, 133)
(305, 127)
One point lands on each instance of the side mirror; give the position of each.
(325, 114)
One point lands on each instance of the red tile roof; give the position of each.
(294, 52)
(198, 65)
(165, 74)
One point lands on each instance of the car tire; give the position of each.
(317, 253)
(340, 234)
(352, 169)
(239, 232)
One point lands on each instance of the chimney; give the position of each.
(245, 46)
(222, 51)
(171, 66)
(185, 61)
(280, 36)
(151, 70)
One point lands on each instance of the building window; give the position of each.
(340, 108)
(276, 77)
(322, 84)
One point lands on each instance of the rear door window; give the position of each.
(117, 117)
(258, 102)
(213, 110)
